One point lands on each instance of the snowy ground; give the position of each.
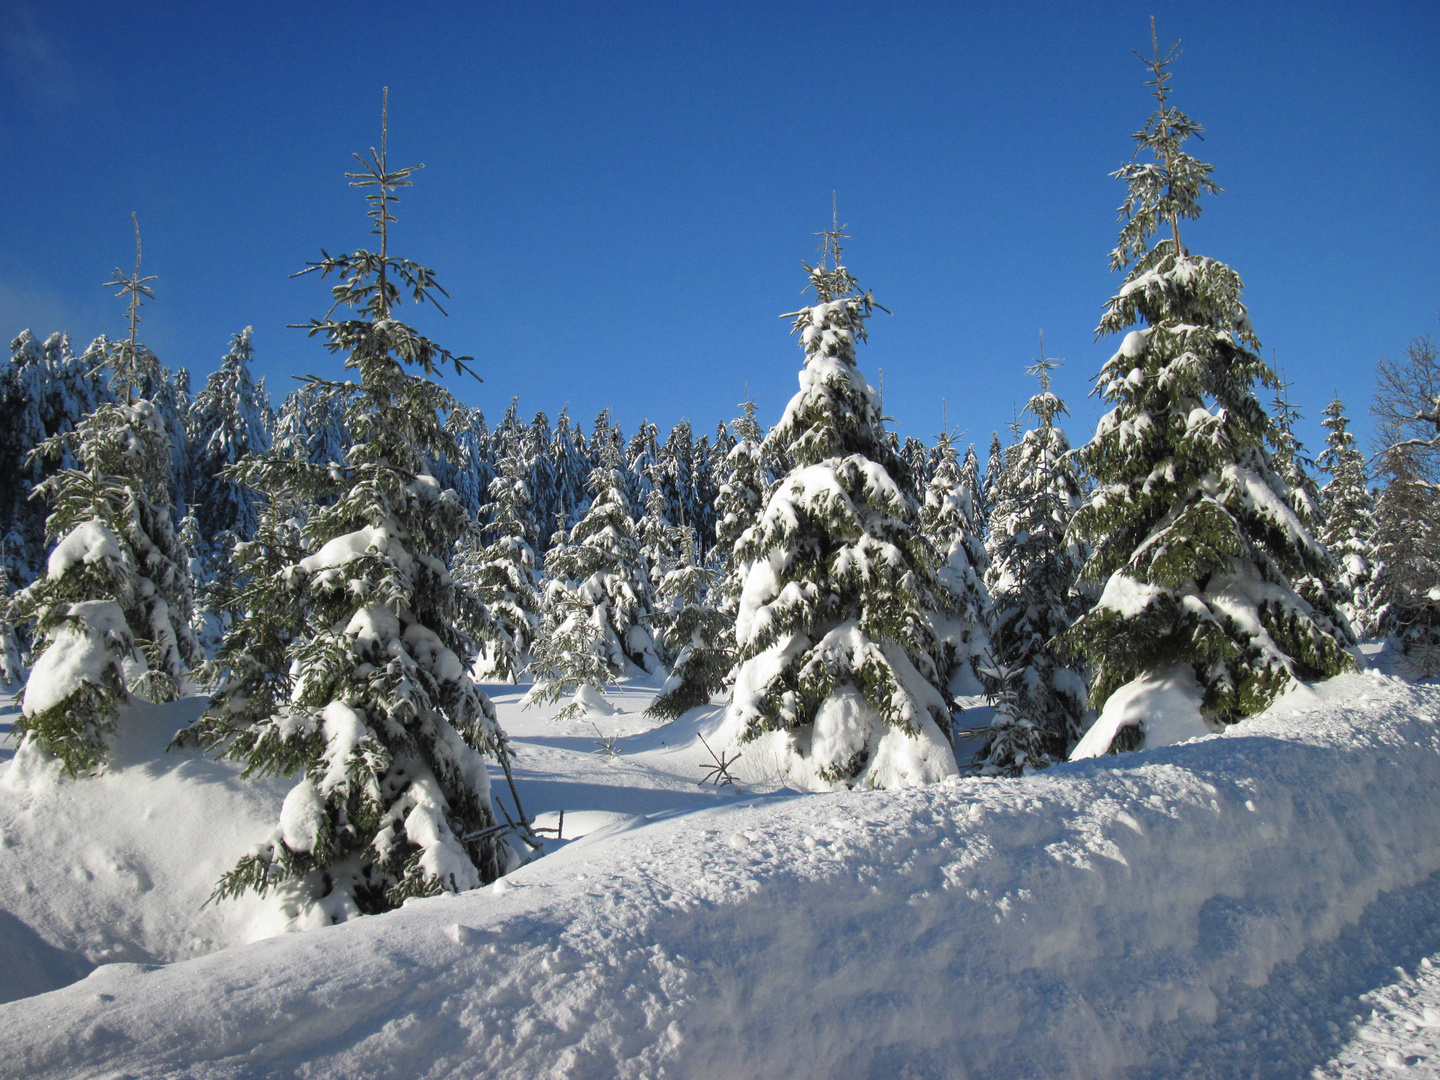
(1233, 907)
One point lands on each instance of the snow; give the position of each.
(89, 542)
(115, 868)
(1127, 596)
(1205, 910)
(1165, 703)
(302, 816)
(80, 650)
(343, 549)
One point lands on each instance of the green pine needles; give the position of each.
(1212, 581)
(345, 667)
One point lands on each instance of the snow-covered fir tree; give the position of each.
(571, 656)
(602, 561)
(1200, 621)
(570, 465)
(994, 469)
(382, 721)
(1348, 511)
(468, 470)
(228, 420)
(738, 504)
(502, 573)
(950, 520)
(1289, 459)
(1039, 699)
(837, 681)
(12, 670)
(695, 633)
(655, 533)
(1407, 513)
(310, 426)
(114, 603)
(45, 390)
(739, 500)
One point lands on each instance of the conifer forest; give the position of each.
(1079, 752)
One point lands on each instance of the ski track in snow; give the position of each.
(1233, 907)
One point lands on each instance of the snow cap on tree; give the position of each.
(1200, 621)
(837, 682)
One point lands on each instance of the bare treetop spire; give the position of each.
(133, 284)
(830, 245)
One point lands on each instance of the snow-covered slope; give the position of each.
(1100, 917)
(118, 867)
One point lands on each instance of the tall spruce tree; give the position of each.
(383, 722)
(114, 603)
(1039, 699)
(1200, 621)
(838, 679)
(1348, 511)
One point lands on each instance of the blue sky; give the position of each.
(618, 195)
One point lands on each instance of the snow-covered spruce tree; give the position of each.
(1348, 511)
(1200, 621)
(310, 426)
(655, 534)
(739, 500)
(602, 562)
(1407, 513)
(570, 654)
(695, 633)
(994, 469)
(569, 458)
(738, 504)
(1040, 701)
(950, 521)
(114, 604)
(1289, 459)
(837, 681)
(11, 669)
(384, 723)
(502, 573)
(45, 390)
(227, 421)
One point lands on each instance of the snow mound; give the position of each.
(117, 867)
(1165, 703)
(1086, 921)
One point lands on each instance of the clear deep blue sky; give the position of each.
(618, 195)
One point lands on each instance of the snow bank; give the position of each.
(117, 867)
(1083, 921)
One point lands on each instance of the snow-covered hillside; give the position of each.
(1211, 909)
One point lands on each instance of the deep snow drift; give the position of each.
(1206, 909)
